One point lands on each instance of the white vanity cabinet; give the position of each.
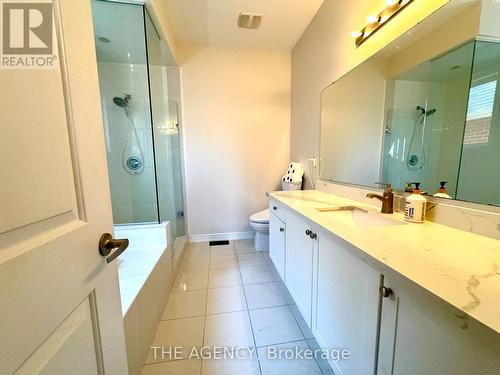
(277, 241)
(277, 209)
(421, 334)
(389, 324)
(300, 249)
(347, 305)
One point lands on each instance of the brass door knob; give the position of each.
(107, 244)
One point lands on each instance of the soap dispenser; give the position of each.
(442, 192)
(408, 187)
(415, 206)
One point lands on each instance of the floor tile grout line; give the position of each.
(246, 303)
(161, 320)
(206, 308)
(249, 318)
(228, 312)
(243, 286)
(276, 281)
(304, 339)
(300, 328)
(283, 343)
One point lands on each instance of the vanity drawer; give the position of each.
(277, 208)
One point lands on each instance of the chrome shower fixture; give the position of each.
(122, 101)
(428, 112)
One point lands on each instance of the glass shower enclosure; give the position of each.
(140, 96)
(443, 124)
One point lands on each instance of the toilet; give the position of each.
(259, 222)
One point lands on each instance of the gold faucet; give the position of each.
(387, 199)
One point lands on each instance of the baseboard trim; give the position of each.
(221, 236)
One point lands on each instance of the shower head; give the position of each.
(122, 101)
(428, 112)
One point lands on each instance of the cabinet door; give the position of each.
(277, 208)
(347, 306)
(277, 244)
(299, 263)
(421, 334)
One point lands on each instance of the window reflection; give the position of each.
(479, 113)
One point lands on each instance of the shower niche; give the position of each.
(140, 96)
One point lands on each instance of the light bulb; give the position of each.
(356, 34)
(371, 18)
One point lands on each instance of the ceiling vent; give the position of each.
(249, 20)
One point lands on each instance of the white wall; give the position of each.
(326, 51)
(236, 115)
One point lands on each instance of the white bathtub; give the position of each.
(146, 272)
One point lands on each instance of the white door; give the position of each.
(59, 299)
(347, 305)
(299, 263)
(277, 244)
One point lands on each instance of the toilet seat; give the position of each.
(261, 217)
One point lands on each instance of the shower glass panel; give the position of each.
(139, 94)
(479, 177)
(166, 130)
(121, 62)
(425, 112)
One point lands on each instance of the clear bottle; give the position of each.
(415, 206)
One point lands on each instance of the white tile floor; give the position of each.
(230, 296)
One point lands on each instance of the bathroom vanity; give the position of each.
(402, 298)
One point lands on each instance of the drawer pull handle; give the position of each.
(313, 236)
(386, 292)
(308, 232)
(275, 208)
(282, 229)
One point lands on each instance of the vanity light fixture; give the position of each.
(375, 22)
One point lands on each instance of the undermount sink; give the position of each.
(357, 217)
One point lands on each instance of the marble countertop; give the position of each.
(459, 267)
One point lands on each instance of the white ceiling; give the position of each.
(214, 22)
(123, 26)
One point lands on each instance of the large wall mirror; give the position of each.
(395, 121)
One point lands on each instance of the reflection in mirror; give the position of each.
(352, 111)
(432, 123)
(479, 177)
(425, 112)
